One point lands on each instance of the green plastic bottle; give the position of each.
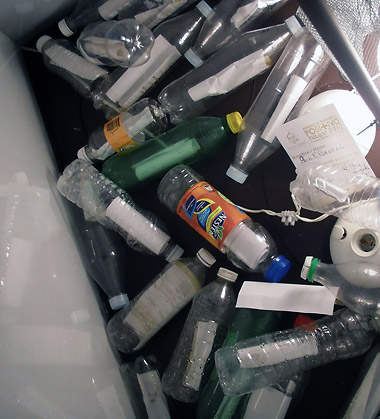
(187, 143)
(246, 323)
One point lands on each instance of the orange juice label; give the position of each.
(211, 214)
(117, 136)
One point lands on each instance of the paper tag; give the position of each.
(287, 297)
(322, 137)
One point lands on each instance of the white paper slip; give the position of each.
(315, 299)
(322, 137)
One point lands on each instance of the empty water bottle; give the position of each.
(103, 201)
(273, 358)
(247, 244)
(286, 90)
(125, 43)
(246, 58)
(175, 286)
(128, 130)
(351, 196)
(230, 18)
(202, 334)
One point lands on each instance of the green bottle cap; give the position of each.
(234, 121)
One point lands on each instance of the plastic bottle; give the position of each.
(247, 244)
(125, 43)
(62, 58)
(246, 58)
(103, 201)
(152, 12)
(189, 142)
(172, 38)
(352, 197)
(202, 334)
(245, 324)
(358, 282)
(88, 11)
(272, 358)
(132, 327)
(287, 88)
(230, 19)
(144, 388)
(127, 131)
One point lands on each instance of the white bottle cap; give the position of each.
(42, 41)
(119, 301)
(81, 154)
(306, 267)
(227, 274)
(236, 174)
(175, 254)
(62, 26)
(293, 24)
(193, 58)
(206, 257)
(204, 8)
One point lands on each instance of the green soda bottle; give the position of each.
(186, 143)
(246, 323)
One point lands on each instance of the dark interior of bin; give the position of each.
(69, 119)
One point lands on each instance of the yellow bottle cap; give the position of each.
(234, 121)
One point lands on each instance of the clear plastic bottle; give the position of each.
(272, 358)
(288, 86)
(172, 38)
(175, 286)
(246, 244)
(335, 191)
(358, 282)
(202, 334)
(62, 58)
(246, 58)
(128, 130)
(144, 388)
(246, 323)
(189, 142)
(103, 201)
(124, 43)
(230, 19)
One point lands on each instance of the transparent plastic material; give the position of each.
(62, 58)
(248, 57)
(175, 286)
(230, 19)
(127, 131)
(202, 334)
(172, 38)
(286, 90)
(125, 43)
(272, 358)
(335, 191)
(143, 385)
(102, 201)
(246, 244)
(192, 141)
(152, 12)
(246, 323)
(358, 282)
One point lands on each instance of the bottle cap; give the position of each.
(175, 253)
(62, 26)
(42, 41)
(193, 58)
(234, 121)
(236, 174)
(293, 24)
(308, 268)
(227, 274)
(81, 154)
(277, 269)
(119, 301)
(206, 257)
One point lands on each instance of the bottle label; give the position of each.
(117, 136)
(210, 213)
(153, 17)
(244, 13)
(231, 77)
(161, 301)
(135, 81)
(202, 344)
(110, 8)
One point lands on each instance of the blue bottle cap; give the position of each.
(277, 269)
